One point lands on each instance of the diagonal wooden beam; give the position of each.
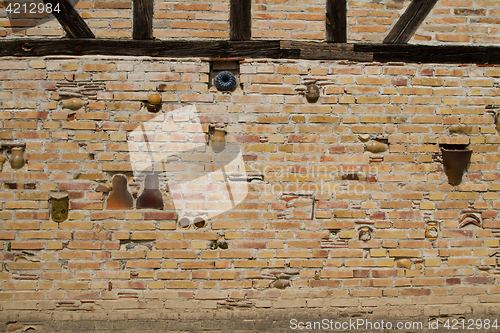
(71, 21)
(143, 19)
(336, 21)
(408, 23)
(240, 20)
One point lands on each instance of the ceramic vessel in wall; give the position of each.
(455, 163)
(17, 158)
(119, 197)
(59, 207)
(151, 196)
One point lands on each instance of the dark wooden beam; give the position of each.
(408, 23)
(327, 51)
(240, 20)
(71, 21)
(336, 21)
(153, 48)
(400, 53)
(432, 54)
(143, 19)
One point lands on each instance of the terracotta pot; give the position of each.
(312, 93)
(432, 231)
(199, 222)
(2, 160)
(365, 234)
(151, 196)
(154, 103)
(119, 197)
(218, 140)
(16, 158)
(184, 222)
(59, 207)
(73, 104)
(455, 163)
(376, 147)
(154, 98)
(403, 263)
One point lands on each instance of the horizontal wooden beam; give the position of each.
(432, 54)
(327, 51)
(252, 49)
(70, 20)
(152, 48)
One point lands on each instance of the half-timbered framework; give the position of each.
(82, 41)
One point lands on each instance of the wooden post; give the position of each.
(143, 19)
(408, 23)
(336, 21)
(240, 20)
(70, 20)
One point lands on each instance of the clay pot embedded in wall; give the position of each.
(17, 158)
(225, 81)
(403, 263)
(365, 234)
(218, 140)
(151, 196)
(59, 207)
(199, 222)
(455, 163)
(119, 197)
(184, 222)
(280, 284)
(432, 230)
(154, 103)
(2, 160)
(72, 104)
(312, 93)
(376, 147)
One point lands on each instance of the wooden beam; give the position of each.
(153, 48)
(402, 53)
(336, 21)
(399, 53)
(71, 21)
(408, 23)
(240, 20)
(327, 51)
(143, 19)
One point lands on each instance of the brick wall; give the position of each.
(450, 22)
(302, 222)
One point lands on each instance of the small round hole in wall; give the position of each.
(225, 81)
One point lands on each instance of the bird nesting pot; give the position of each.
(16, 158)
(218, 140)
(455, 163)
(151, 196)
(59, 207)
(312, 93)
(376, 147)
(432, 230)
(154, 103)
(73, 103)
